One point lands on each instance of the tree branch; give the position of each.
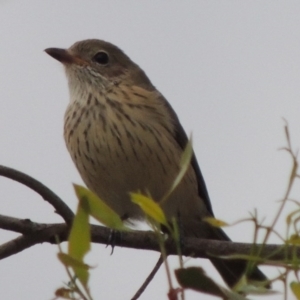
(60, 207)
(34, 233)
(47, 234)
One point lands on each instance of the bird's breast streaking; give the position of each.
(121, 143)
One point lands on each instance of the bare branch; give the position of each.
(61, 208)
(47, 234)
(24, 226)
(35, 233)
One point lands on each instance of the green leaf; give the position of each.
(247, 286)
(294, 240)
(80, 236)
(215, 222)
(184, 165)
(98, 209)
(70, 261)
(79, 243)
(295, 287)
(253, 258)
(149, 207)
(195, 278)
(80, 269)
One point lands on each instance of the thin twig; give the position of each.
(148, 279)
(61, 208)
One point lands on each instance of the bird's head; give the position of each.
(99, 63)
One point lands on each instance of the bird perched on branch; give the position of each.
(124, 136)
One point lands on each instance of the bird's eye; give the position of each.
(101, 58)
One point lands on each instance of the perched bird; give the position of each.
(124, 136)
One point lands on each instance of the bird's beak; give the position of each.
(64, 56)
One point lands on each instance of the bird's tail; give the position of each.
(232, 270)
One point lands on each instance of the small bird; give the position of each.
(124, 136)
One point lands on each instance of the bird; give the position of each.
(124, 136)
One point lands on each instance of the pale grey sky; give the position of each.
(230, 69)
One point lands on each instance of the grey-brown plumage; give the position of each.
(124, 136)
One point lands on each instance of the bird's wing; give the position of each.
(182, 139)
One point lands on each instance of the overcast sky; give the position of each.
(230, 69)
